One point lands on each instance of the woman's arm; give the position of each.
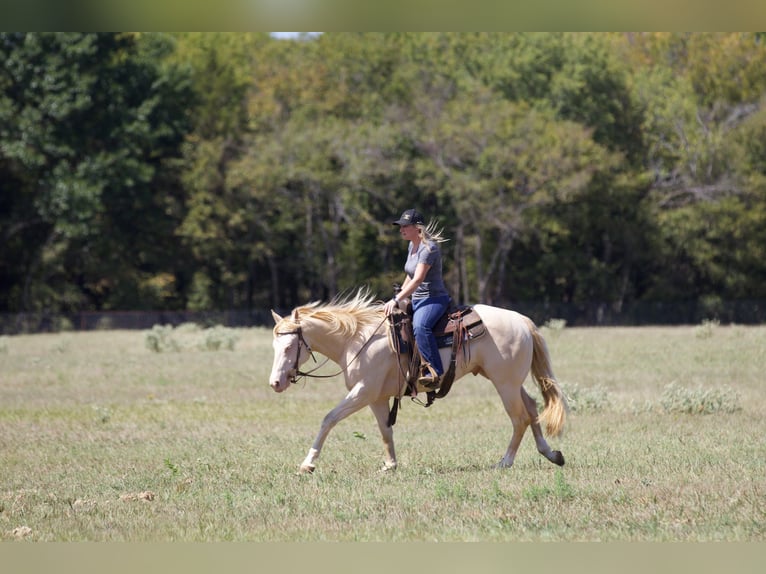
(408, 287)
(412, 283)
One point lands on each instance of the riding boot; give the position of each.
(428, 377)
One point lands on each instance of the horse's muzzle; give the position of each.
(278, 386)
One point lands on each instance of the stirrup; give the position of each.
(428, 377)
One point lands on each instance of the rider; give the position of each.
(424, 283)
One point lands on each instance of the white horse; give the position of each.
(352, 333)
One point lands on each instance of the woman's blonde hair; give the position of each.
(431, 233)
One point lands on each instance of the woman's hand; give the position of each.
(390, 305)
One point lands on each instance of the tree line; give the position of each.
(206, 171)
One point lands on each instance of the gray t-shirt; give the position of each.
(433, 284)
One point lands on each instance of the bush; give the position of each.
(160, 339)
(217, 338)
(555, 325)
(164, 338)
(586, 399)
(62, 324)
(705, 329)
(678, 399)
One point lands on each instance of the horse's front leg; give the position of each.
(381, 411)
(357, 398)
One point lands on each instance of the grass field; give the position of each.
(103, 439)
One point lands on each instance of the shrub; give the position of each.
(555, 325)
(552, 328)
(705, 329)
(587, 399)
(218, 337)
(678, 399)
(163, 338)
(160, 339)
(62, 324)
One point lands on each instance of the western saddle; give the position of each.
(458, 326)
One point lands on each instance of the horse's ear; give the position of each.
(296, 318)
(277, 318)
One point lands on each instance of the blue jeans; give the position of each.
(425, 314)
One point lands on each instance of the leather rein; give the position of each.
(303, 343)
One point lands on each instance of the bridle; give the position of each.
(297, 373)
(301, 343)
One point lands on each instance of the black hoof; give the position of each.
(558, 458)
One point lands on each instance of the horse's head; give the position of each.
(291, 350)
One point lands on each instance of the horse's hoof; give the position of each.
(306, 469)
(557, 458)
(388, 467)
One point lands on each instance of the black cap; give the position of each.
(410, 217)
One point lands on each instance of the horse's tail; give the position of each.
(555, 411)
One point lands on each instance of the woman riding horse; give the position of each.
(424, 284)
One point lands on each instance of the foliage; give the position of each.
(160, 339)
(588, 399)
(706, 329)
(679, 399)
(166, 338)
(219, 170)
(555, 325)
(92, 125)
(219, 338)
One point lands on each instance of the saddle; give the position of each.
(458, 326)
(457, 319)
(462, 321)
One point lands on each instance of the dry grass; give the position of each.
(104, 440)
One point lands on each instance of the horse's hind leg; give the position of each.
(520, 418)
(543, 448)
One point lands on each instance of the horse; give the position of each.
(349, 331)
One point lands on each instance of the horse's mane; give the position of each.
(346, 314)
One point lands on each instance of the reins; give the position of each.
(302, 341)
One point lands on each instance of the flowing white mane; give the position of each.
(346, 315)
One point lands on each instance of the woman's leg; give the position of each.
(426, 312)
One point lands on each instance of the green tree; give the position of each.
(701, 93)
(91, 124)
(215, 227)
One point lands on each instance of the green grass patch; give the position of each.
(104, 439)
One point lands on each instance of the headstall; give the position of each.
(302, 341)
